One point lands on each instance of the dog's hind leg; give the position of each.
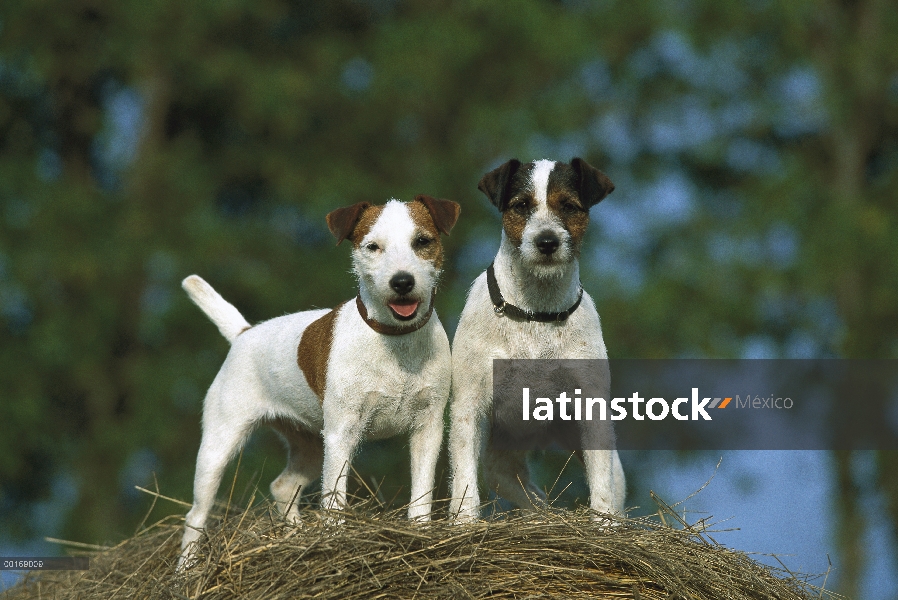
(305, 453)
(218, 447)
(507, 473)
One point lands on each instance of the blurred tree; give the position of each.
(754, 146)
(145, 142)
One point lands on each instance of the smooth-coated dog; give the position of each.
(373, 367)
(529, 304)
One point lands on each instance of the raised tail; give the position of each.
(227, 318)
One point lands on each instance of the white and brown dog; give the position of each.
(529, 304)
(373, 367)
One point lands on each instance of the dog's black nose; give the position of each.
(402, 282)
(547, 242)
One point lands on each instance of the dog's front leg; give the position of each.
(342, 434)
(424, 445)
(603, 472)
(465, 445)
(597, 464)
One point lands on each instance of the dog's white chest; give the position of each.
(540, 340)
(389, 381)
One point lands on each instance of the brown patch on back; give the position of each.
(425, 228)
(365, 223)
(313, 353)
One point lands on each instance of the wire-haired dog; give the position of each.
(529, 304)
(375, 366)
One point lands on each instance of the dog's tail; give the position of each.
(227, 318)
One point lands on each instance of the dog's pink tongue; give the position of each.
(404, 310)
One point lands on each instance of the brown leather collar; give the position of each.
(392, 329)
(504, 308)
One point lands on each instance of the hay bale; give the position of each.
(377, 554)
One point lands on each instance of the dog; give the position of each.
(529, 304)
(373, 367)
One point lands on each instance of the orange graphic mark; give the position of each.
(724, 403)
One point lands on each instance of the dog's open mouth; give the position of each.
(404, 309)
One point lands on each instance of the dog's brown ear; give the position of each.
(444, 212)
(495, 184)
(594, 185)
(342, 221)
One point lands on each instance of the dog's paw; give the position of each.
(290, 515)
(465, 515)
(187, 560)
(189, 546)
(605, 518)
(419, 513)
(334, 523)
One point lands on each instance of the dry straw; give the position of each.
(373, 553)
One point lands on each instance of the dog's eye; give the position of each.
(422, 241)
(521, 207)
(373, 247)
(569, 208)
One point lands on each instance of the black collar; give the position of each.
(504, 308)
(392, 329)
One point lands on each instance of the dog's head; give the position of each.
(545, 208)
(397, 253)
